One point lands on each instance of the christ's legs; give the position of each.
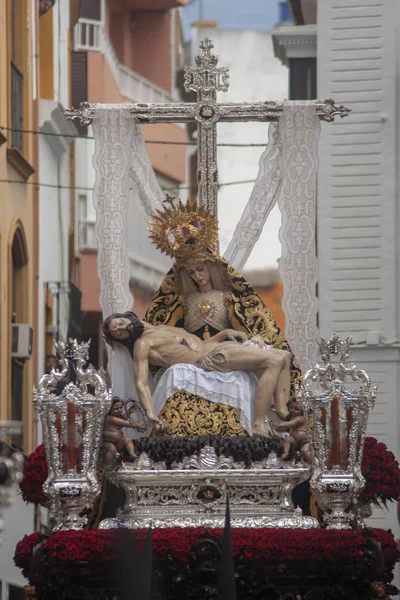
(282, 391)
(274, 368)
(266, 390)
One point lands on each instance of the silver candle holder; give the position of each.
(336, 417)
(72, 425)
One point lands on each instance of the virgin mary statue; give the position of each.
(204, 294)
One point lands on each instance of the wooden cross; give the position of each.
(206, 79)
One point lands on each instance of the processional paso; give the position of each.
(219, 307)
(204, 303)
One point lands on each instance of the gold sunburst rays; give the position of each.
(184, 231)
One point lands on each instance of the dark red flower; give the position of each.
(24, 549)
(316, 545)
(381, 471)
(33, 477)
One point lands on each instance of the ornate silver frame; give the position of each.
(194, 493)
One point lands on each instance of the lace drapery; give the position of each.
(122, 169)
(299, 130)
(262, 200)
(287, 175)
(113, 139)
(143, 180)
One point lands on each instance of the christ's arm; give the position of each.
(141, 374)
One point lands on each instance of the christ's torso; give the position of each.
(171, 345)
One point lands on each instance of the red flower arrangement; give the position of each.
(379, 467)
(316, 545)
(382, 473)
(24, 549)
(33, 477)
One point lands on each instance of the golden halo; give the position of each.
(184, 231)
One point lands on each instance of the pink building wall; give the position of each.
(141, 40)
(168, 160)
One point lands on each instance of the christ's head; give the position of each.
(124, 328)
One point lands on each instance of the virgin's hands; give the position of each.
(257, 341)
(236, 336)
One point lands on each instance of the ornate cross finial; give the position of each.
(335, 346)
(169, 200)
(206, 78)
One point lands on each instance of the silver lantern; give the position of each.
(11, 464)
(72, 426)
(336, 400)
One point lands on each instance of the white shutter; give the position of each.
(356, 224)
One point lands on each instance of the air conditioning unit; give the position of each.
(21, 340)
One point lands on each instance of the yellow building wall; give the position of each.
(17, 205)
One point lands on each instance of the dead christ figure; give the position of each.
(164, 346)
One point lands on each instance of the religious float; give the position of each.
(211, 505)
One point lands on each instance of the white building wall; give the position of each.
(358, 218)
(255, 75)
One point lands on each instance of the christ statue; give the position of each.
(165, 346)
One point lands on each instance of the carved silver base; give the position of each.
(194, 493)
(294, 521)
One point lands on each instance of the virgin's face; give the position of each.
(201, 276)
(120, 328)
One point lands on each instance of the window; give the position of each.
(90, 9)
(19, 261)
(302, 79)
(17, 43)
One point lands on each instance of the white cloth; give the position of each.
(299, 130)
(232, 389)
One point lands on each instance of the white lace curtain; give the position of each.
(287, 174)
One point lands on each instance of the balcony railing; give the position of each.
(87, 235)
(17, 107)
(90, 35)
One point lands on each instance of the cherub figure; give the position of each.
(295, 423)
(114, 439)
